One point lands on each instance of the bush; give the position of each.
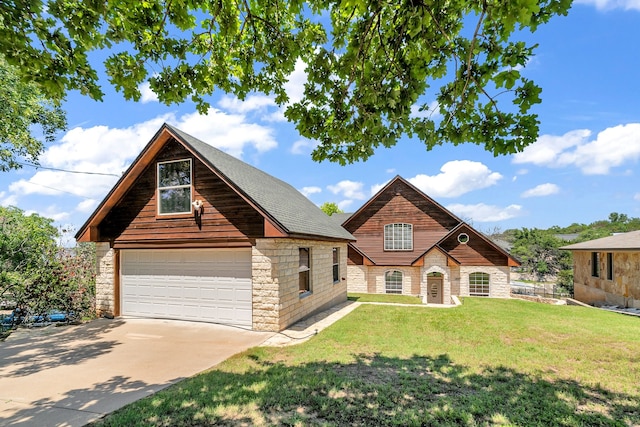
(36, 275)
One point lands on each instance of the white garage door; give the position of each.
(211, 285)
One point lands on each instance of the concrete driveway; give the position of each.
(72, 375)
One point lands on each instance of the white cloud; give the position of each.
(252, 103)
(612, 147)
(8, 199)
(485, 213)
(50, 183)
(295, 84)
(636, 197)
(344, 204)
(611, 4)
(456, 178)
(228, 132)
(303, 146)
(147, 95)
(377, 187)
(87, 206)
(52, 212)
(101, 149)
(545, 151)
(307, 191)
(541, 190)
(348, 189)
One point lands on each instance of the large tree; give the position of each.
(27, 118)
(373, 67)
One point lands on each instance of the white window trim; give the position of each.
(488, 284)
(335, 263)
(158, 188)
(401, 282)
(307, 269)
(393, 241)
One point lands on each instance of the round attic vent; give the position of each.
(463, 238)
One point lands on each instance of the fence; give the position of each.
(549, 291)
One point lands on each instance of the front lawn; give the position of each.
(385, 298)
(488, 362)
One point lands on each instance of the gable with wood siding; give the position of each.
(441, 257)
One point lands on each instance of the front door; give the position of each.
(434, 288)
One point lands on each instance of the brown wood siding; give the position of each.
(353, 257)
(226, 216)
(476, 251)
(400, 204)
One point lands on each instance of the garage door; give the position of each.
(211, 285)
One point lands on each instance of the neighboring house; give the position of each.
(409, 244)
(607, 270)
(192, 233)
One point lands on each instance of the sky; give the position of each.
(584, 165)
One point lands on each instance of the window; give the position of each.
(336, 265)
(595, 264)
(174, 187)
(393, 282)
(304, 270)
(609, 266)
(479, 284)
(398, 237)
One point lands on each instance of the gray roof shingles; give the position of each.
(279, 200)
(624, 241)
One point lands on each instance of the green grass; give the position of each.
(397, 299)
(488, 362)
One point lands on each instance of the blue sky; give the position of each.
(584, 165)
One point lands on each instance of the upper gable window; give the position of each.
(398, 237)
(174, 187)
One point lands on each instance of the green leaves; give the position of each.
(22, 107)
(369, 63)
(38, 275)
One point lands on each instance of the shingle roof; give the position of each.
(279, 200)
(624, 241)
(341, 217)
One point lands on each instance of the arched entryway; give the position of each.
(434, 288)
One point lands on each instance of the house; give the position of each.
(406, 243)
(607, 270)
(190, 232)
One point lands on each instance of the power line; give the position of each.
(61, 191)
(68, 171)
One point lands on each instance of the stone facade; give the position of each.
(622, 290)
(376, 279)
(105, 275)
(499, 280)
(357, 281)
(455, 280)
(277, 302)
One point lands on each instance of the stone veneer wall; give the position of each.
(410, 279)
(277, 302)
(105, 299)
(357, 279)
(499, 280)
(623, 290)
